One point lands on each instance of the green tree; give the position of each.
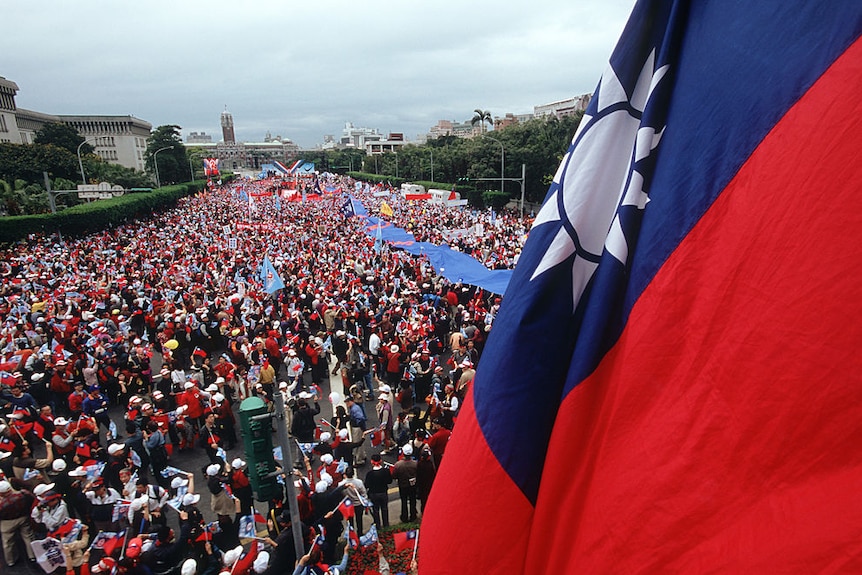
(27, 163)
(62, 136)
(480, 117)
(173, 164)
(98, 170)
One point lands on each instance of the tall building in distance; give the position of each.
(227, 127)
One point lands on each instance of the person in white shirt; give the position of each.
(50, 510)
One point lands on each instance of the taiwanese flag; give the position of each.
(682, 326)
(109, 542)
(376, 437)
(258, 518)
(405, 540)
(346, 508)
(352, 537)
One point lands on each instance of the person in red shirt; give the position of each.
(192, 398)
(76, 400)
(438, 441)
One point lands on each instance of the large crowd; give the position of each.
(127, 350)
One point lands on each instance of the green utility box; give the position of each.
(256, 422)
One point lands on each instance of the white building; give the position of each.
(8, 125)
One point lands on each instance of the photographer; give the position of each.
(50, 510)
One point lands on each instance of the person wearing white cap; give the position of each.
(404, 473)
(15, 521)
(384, 416)
(64, 442)
(50, 509)
(240, 485)
(220, 502)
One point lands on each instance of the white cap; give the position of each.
(237, 463)
(58, 465)
(305, 395)
(383, 396)
(5, 486)
(324, 476)
(320, 487)
(138, 504)
(42, 489)
(407, 449)
(116, 448)
(188, 385)
(231, 556)
(60, 422)
(326, 458)
(282, 385)
(78, 472)
(212, 388)
(191, 498)
(325, 436)
(384, 387)
(190, 567)
(219, 379)
(213, 469)
(261, 562)
(218, 397)
(178, 482)
(343, 433)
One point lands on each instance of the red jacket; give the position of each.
(191, 398)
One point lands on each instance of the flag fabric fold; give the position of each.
(678, 331)
(269, 277)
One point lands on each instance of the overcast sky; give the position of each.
(303, 69)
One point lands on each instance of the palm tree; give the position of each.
(480, 117)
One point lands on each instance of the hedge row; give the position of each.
(95, 216)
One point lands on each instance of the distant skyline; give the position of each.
(304, 71)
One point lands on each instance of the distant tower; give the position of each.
(227, 127)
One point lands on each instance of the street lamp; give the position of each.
(80, 164)
(432, 163)
(156, 165)
(502, 159)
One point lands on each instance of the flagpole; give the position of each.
(415, 546)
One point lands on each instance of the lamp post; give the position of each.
(80, 164)
(156, 165)
(432, 163)
(502, 159)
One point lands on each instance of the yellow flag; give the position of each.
(386, 209)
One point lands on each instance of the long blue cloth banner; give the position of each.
(451, 264)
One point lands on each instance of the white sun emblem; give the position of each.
(598, 176)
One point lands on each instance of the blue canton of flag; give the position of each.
(269, 277)
(347, 207)
(370, 537)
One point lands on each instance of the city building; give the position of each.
(353, 137)
(199, 138)
(117, 139)
(393, 143)
(233, 155)
(563, 107)
(228, 136)
(458, 129)
(8, 125)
